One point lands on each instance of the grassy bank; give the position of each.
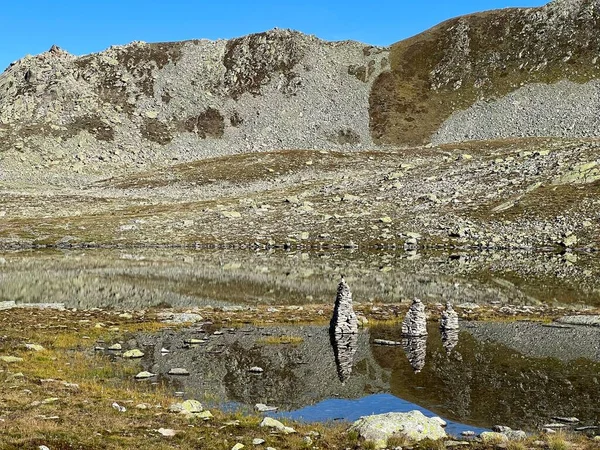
(62, 394)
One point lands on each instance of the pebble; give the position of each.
(118, 407)
(269, 422)
(258, 441)
(144, 375)
(131, 354)
(167, 432)
(10, 359)
(566, 419)
(34, 347)
(261, 407)
(256, 369)
(238, 446)
(386, 342)
(178, 371)
(115, 347)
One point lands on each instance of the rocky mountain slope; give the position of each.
(505, 73)
(452, 82)
(154, 103)
(253, 141)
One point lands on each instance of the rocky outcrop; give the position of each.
(142, 103)
(344, 320)
(415, 322)
(413, 425)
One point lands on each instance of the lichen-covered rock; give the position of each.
(413, 425)
(415, 322)
(344, 320)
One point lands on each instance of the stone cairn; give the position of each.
(344, 320)
(449, 319)
(449, 327)
(415, 322)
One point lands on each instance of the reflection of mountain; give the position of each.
(145, 277)
(486, 383)
(294, 375)
(344, 348)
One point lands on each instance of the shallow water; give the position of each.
(518, 374)
(141, 278)
(483, 378)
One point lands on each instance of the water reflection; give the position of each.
(449, 339)
(487, 379)
(344, 349)
(416, 351)
(183, 278)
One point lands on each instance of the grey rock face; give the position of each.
(191, 99)
(449, 319)
(344, 320)
(415, 322)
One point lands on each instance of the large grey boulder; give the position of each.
(415, 322)
(412, 425)
(344, 320)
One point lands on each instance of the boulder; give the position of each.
(412, 425)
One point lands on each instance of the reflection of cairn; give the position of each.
(344, 348)
(449, 327)
(344, 319)
(449, 319)
(415, 322)
(449, 339)
(416, 350)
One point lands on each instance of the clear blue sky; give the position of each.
(86, 26)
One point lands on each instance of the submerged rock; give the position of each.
(412, 425)
(344, 320)
(415, 322)
(449, 319)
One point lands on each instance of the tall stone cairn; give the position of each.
(415, 322)
(449, 319)
(344, 319)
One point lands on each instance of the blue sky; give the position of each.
(86, 26)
